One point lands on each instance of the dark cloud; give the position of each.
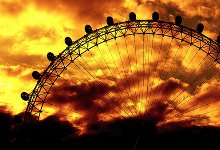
(211, 93)
(89, 98)
(205, 98)
(203, 12)
(87, 11)
(13, 8)
(202, 71)
(10, 71)
(83, 98)
(83, 95)
(98, 96)
(27, 64)
(37, 32)
(168, 87)
(208, 11)
(23, 59)
(88, 92)
(164, 91)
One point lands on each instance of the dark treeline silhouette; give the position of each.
(129, 134)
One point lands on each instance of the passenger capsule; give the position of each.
(36, 75)
(218, 39)
(200, 27)
(155, 16)
(68, 41)
(25, 96)
(50, 56)
(178, 20)
(109, 20)
(132, 16)
(88, 29)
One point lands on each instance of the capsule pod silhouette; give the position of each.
(132, 16)
(218, 39)
(25, 96)
(178, 20)
(68, 41)
(200, 27)
(109, 20)
(88, 29)
(50, 56)
(36, 75)
(155, 16)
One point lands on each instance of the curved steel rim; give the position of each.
(104, 34)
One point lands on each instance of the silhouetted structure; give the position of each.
(146, 130)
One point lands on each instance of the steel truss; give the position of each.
(48, 78)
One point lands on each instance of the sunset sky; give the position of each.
(29, 29)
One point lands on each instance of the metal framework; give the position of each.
(47, 79)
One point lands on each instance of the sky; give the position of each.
(29, 29)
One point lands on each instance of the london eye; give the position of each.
(144, 69)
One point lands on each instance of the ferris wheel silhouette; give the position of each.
(137, 68)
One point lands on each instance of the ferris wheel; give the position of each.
(150, 69)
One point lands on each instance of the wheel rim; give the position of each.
(145, 28)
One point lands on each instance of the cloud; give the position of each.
(84, 94)
(36, 32)
(192, 12)
(12, 71)
(206, 99)
(211, 93)
(83, 11)
(90, 98)
(12, 7)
